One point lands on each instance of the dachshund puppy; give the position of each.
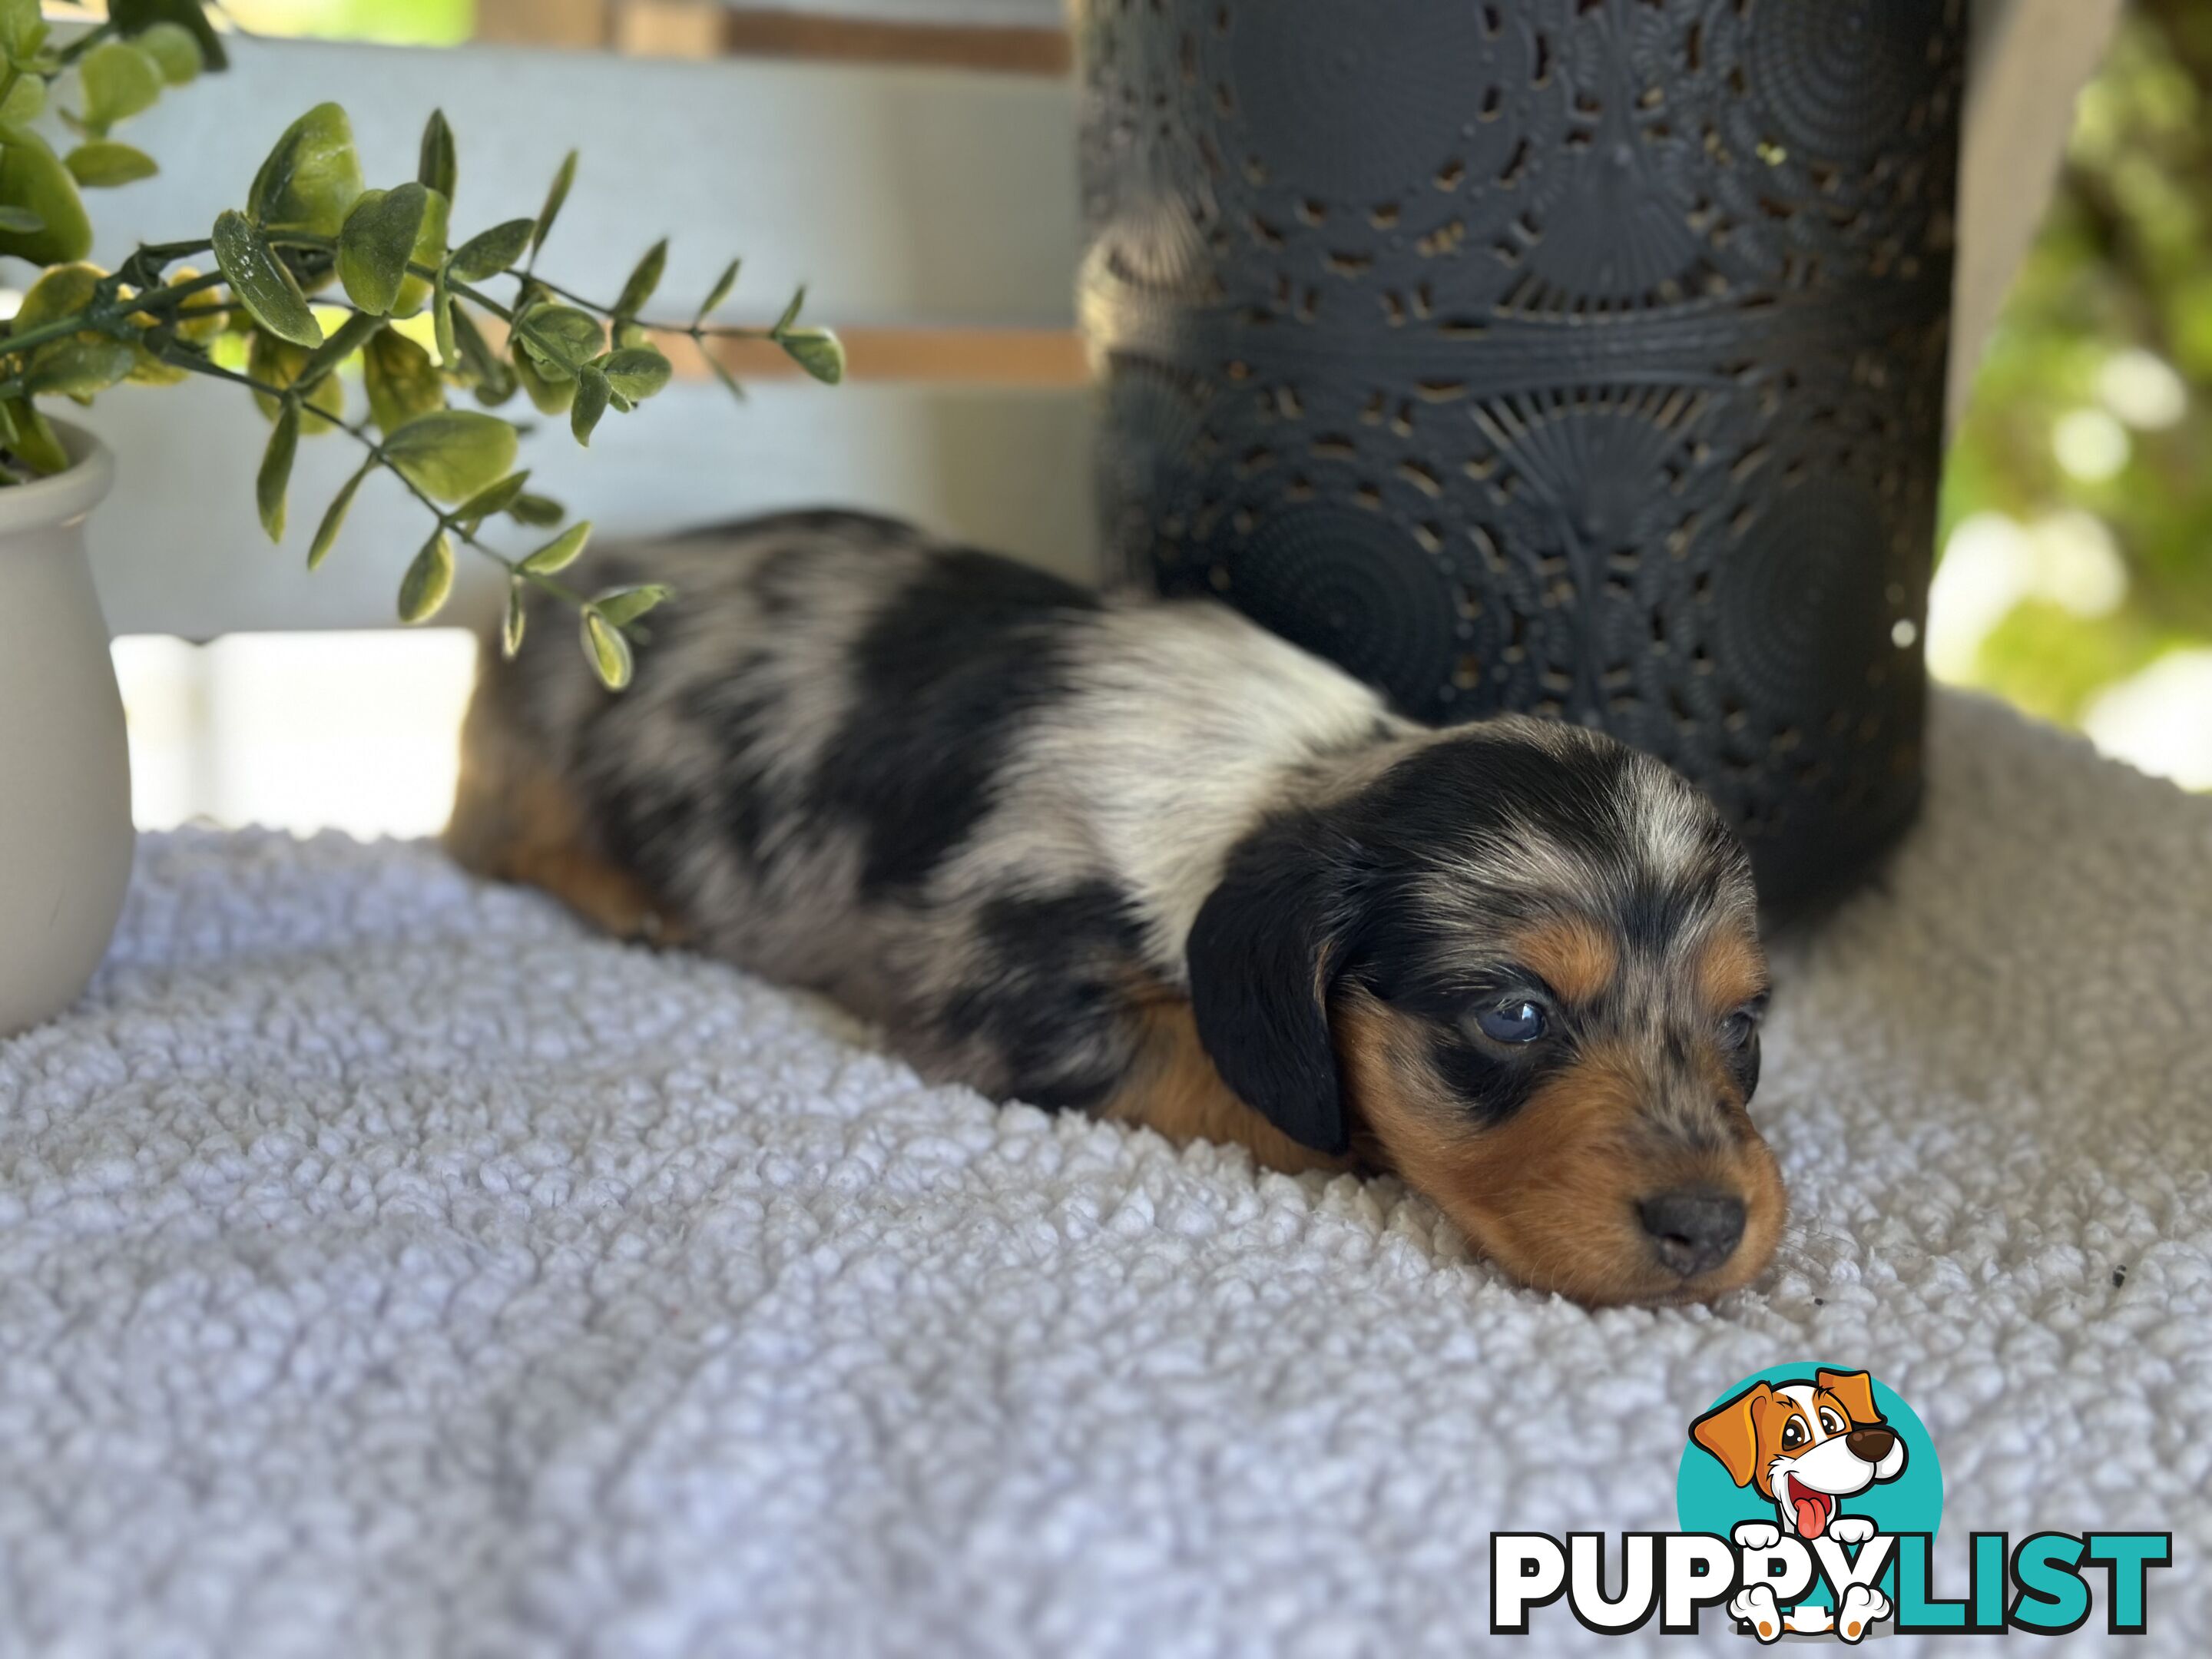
(1148, 860)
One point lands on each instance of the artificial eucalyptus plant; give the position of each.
(314, 272)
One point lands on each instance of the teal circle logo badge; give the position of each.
(1802, 1467)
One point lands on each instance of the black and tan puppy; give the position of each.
(1148, 860)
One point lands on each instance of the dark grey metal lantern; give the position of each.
(1582, 357)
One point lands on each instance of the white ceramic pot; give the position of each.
(65, 834)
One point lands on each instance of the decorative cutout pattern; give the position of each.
(1577, 356)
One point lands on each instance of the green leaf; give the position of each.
(147, 369)
(104, 164)
(723, 373)
(24, 103)
(429, 579)
(136, 17)
(488, 254)
(119, 81)
(637, 373)
(818, 351)
(560, 552)
(34, 179)
(276, 475)
(559, 339)
(554, 198)
(439, 167)
(625, 605)
(551, 397)
(511, 625)
(376, 242)
(643, 281)
(174, 48)
(59, 292)
(790, 311)
(20, 221)
(21, 31)
(402, 382)
(311, 179)
(451, 454)
(334, 518)
(280, 363)
(593, 393)
(430, 251)
(262, 285)
(538, 511)
(347, 339)
(35, 443)
(720, 292)
(607, 651)
(493, 499)
(80, 366)
(480, 367)
(441, 319)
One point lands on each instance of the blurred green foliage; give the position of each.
(395, 22)
(2096, 394)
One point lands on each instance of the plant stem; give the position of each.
(85, 42)
(699, 331)
(102, 318)
(446, 521)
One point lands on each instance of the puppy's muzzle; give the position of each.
(1692, 1229)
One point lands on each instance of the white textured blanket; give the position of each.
(387, 1266)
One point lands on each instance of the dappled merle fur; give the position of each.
(1020, 826)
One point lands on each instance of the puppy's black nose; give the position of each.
(1870, 1444)
(1693, 1230)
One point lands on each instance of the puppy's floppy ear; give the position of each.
(1855, 1389)
(1261, 956)
(1731, 1432)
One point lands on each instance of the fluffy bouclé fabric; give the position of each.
(388, 1266)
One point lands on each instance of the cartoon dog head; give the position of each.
(1805, 1445)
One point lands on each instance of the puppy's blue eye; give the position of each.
(1515, 1020)
(1739, 1027)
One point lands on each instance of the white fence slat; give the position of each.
(900, 196)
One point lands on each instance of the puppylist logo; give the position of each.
(1808, 1496)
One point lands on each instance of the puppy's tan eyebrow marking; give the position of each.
(1730, 972)
(1576, 957)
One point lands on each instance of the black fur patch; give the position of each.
(1263, 942)
(1054, 991)
(741, 716)
(845, 522)
(1491, 1089)
(1447, 793)
(776, 579)
(955, 664)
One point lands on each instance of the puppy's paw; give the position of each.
(1755, 1606)
(1863, 1606)
(1757, 1535)
(1851, 1529)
